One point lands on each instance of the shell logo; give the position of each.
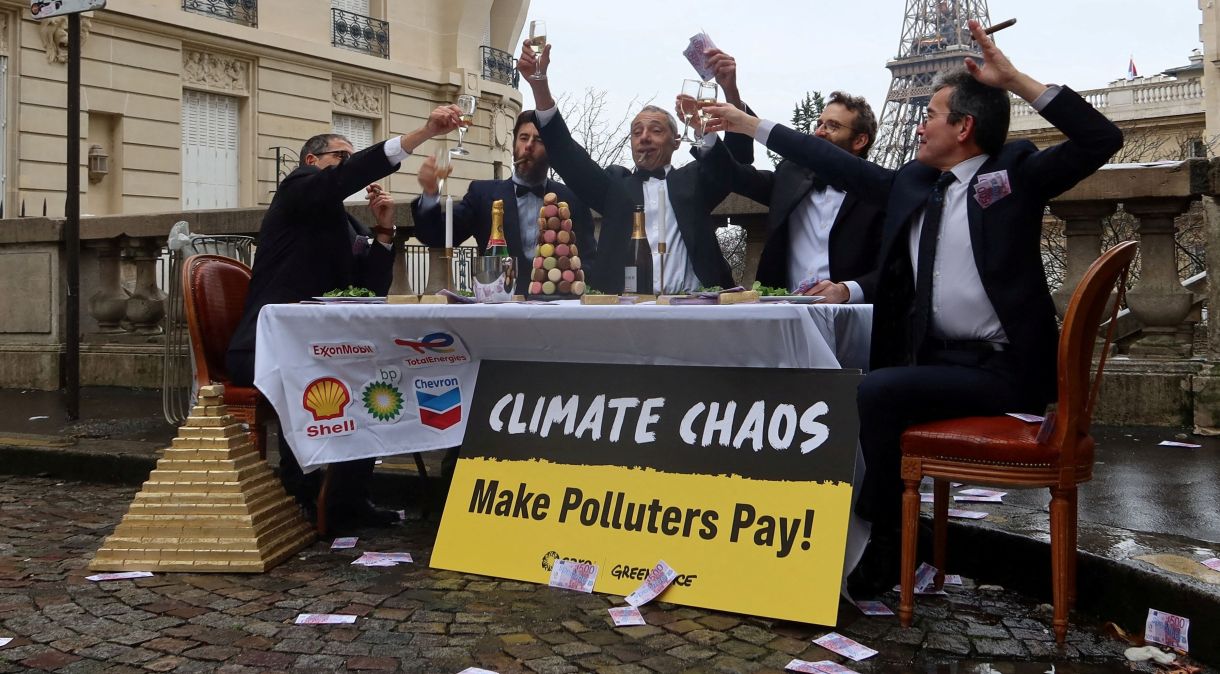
(326, 398)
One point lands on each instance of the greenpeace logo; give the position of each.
(343, 350)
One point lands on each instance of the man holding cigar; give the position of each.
(522, 196)
(963, 323)
(309, 245)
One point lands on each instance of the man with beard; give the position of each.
(472, 215)
(677, 202)
(820, 239)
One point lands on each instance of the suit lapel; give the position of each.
(974, 214)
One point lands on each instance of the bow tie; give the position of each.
(644, 174)
(536, 190)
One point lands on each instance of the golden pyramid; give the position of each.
(211, 504)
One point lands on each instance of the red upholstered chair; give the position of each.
(214, 291)
(1003, 451)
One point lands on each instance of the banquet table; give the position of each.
(323, 366)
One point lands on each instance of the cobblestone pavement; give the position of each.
(416, 619)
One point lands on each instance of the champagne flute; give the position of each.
(537, 43)
(444, 166)
(690, 90)
(466, 104)
(708, 92)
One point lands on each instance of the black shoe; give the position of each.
(877, 571)
(363, 514)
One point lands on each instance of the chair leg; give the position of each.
(910, 536)
(1073, 550)
(940, 528)
(324, 502)
(1060, 500)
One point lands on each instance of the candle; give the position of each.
(449, 221)
(664, 244)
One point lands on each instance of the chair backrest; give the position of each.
(214, 290)
(1081, 322)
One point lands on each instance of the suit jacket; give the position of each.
(855, 235)
(472, 217)
(1005, 237)
(615, 193)
(305, 243)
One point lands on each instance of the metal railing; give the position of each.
(418, 261)
(360, 33)
(238, 11)
(499, 66)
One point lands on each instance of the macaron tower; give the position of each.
(556, 272)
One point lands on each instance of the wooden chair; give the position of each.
(1003, 451)
(214, 296)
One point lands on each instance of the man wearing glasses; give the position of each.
(963, 323)
(821, 240)
(308, 244)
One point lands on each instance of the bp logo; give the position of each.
(440, 402)
(382, 400)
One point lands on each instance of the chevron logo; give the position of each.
(440, 402)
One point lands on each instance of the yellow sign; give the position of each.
(739, 479)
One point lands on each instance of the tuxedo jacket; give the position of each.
(855, 235)
(615, 192)
(1005, 236)
(306, 241)
(472, 217)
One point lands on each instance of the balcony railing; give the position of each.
(238, 11)
(499, 66)
(360, 33)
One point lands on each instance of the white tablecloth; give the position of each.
(355, 344)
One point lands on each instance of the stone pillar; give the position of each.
(438, 269)
(756, 238)
(1206, 384)
(1158, 300)
(401, 285)
(108, 305)
(1082, 242)
(146, 306)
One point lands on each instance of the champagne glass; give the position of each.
(444, 166)
(690, 93)
(537, 43)
(466, 104)
(708, 92)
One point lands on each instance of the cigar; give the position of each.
(998, 27)
(521, 161)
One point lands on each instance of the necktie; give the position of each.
(536, 190)
(644, 174)
(921, 314)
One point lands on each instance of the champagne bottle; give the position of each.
(637, 275)
(496, 246)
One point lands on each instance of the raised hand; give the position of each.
(725, 69)
(528, 63)
(442, 120)
(382, 206)
(996, 70)
(686, 107)
(726, 117)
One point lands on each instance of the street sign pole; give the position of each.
(72, 227)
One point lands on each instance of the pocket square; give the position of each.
(991, 187)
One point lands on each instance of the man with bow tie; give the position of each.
(522, 195)
(677, 201)
(963, 323)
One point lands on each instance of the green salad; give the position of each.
(767, 291)
(350, 291)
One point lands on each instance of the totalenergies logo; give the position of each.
(437, 342)
(326, 398)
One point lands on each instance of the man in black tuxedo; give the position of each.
(963, 323)
(522, 195)
(820, 239)
(680, 199)
(308, 245)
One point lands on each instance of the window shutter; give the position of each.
(210, 163)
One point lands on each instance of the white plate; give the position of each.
(350, 300)
(793, 299)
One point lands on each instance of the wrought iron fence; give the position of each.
(417, 267)
(238, 11)
(360, 33)
(499, 66)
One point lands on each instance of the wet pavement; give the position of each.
(416, 619)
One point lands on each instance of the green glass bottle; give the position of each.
(496, 247)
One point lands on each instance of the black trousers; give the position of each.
(943, 385)
(349, 479)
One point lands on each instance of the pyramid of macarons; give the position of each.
(557, 269)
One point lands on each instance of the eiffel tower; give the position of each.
(934, 38)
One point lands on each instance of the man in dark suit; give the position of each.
(522, 195)
(963, 323)
(676, 201)
(820, 239)
(308, 245)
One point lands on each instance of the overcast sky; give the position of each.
(633, 48)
